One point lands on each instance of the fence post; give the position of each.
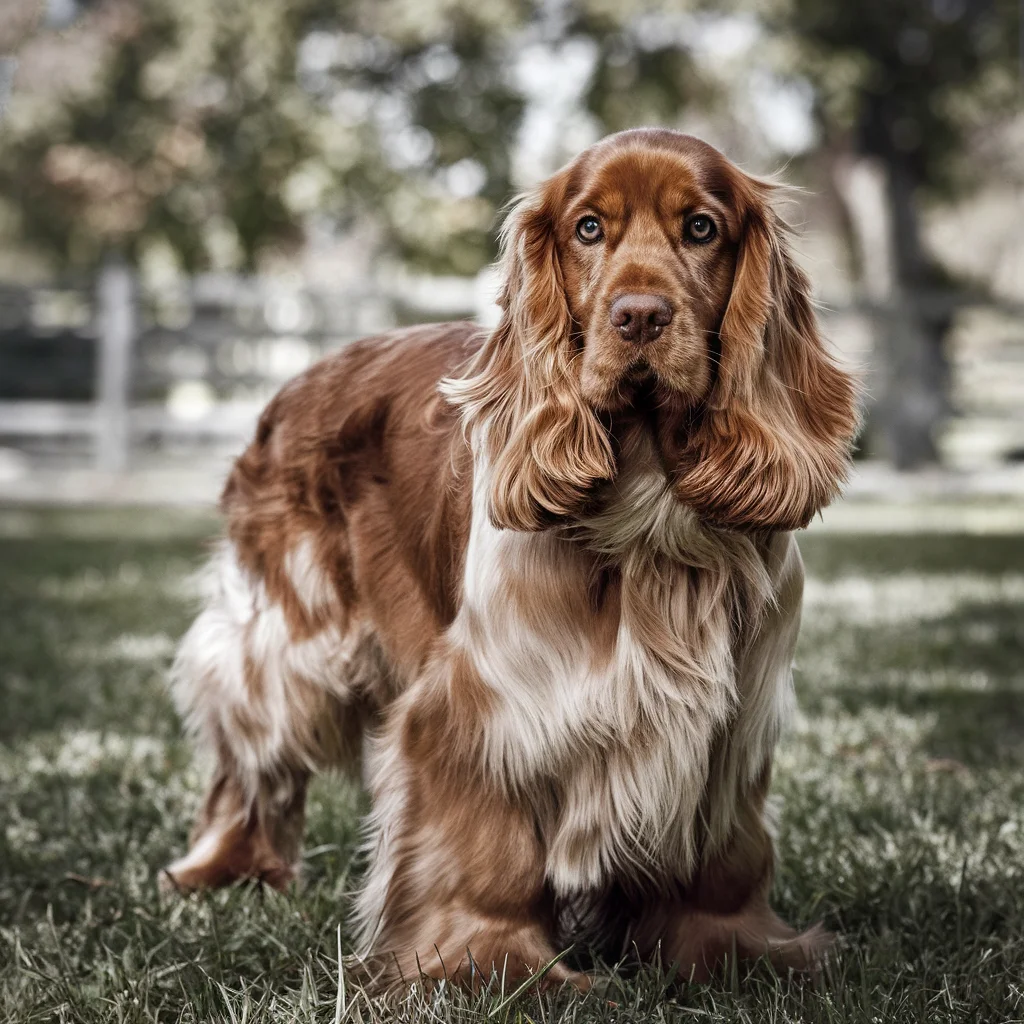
(8, 65)
(117, 324)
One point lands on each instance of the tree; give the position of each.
(184, 134)
(907, 83)
(424, 113)
(215, 132)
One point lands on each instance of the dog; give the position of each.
(539, 586)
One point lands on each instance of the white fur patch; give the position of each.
(626, 742)
(204, 851)
(384, 776)
(237, 667)
(311, 584)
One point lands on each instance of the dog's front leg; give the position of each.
(723, 914)
(456, 886)
(722, 909)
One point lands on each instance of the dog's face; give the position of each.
(647, 241)
(652, 276)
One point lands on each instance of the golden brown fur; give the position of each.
(551, 613)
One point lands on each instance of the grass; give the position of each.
(900, 791)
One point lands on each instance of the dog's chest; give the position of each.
(611, 677)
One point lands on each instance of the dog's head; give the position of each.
(651, 275)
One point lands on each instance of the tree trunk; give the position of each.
(911, 330)
(907, 382)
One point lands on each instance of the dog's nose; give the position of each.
(640, 318)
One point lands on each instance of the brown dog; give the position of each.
(537, 584)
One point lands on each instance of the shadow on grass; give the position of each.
(966, 669)
(87, 629)
(828, 555)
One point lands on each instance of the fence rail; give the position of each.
(102, 371)
(108, 367)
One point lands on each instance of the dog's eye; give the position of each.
(589, 230)
(699, 228)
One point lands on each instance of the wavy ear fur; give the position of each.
(520, 397)
(772, 446)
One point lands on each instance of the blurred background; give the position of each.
(198, 200)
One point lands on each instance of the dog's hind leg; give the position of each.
(238, 835)
(275, 693)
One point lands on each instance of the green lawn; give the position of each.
(900, 792)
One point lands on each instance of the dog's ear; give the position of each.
(520, 398)
(771, 447)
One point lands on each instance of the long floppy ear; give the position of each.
(520, 397)
(772, 445)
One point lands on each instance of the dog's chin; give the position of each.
(626, 390)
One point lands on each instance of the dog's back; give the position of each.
(310, 621)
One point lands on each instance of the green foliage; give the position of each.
(908, 80)
(215, 132)
(899, 785)
(430, 85)
(185, 136)
(644, 72)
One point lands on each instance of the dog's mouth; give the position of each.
(630, 388)
(636, 384)
(614, 380)
(638, 371)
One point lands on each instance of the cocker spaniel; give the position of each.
(537, 584)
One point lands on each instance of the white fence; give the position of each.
(104, 376)
(100, 373)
